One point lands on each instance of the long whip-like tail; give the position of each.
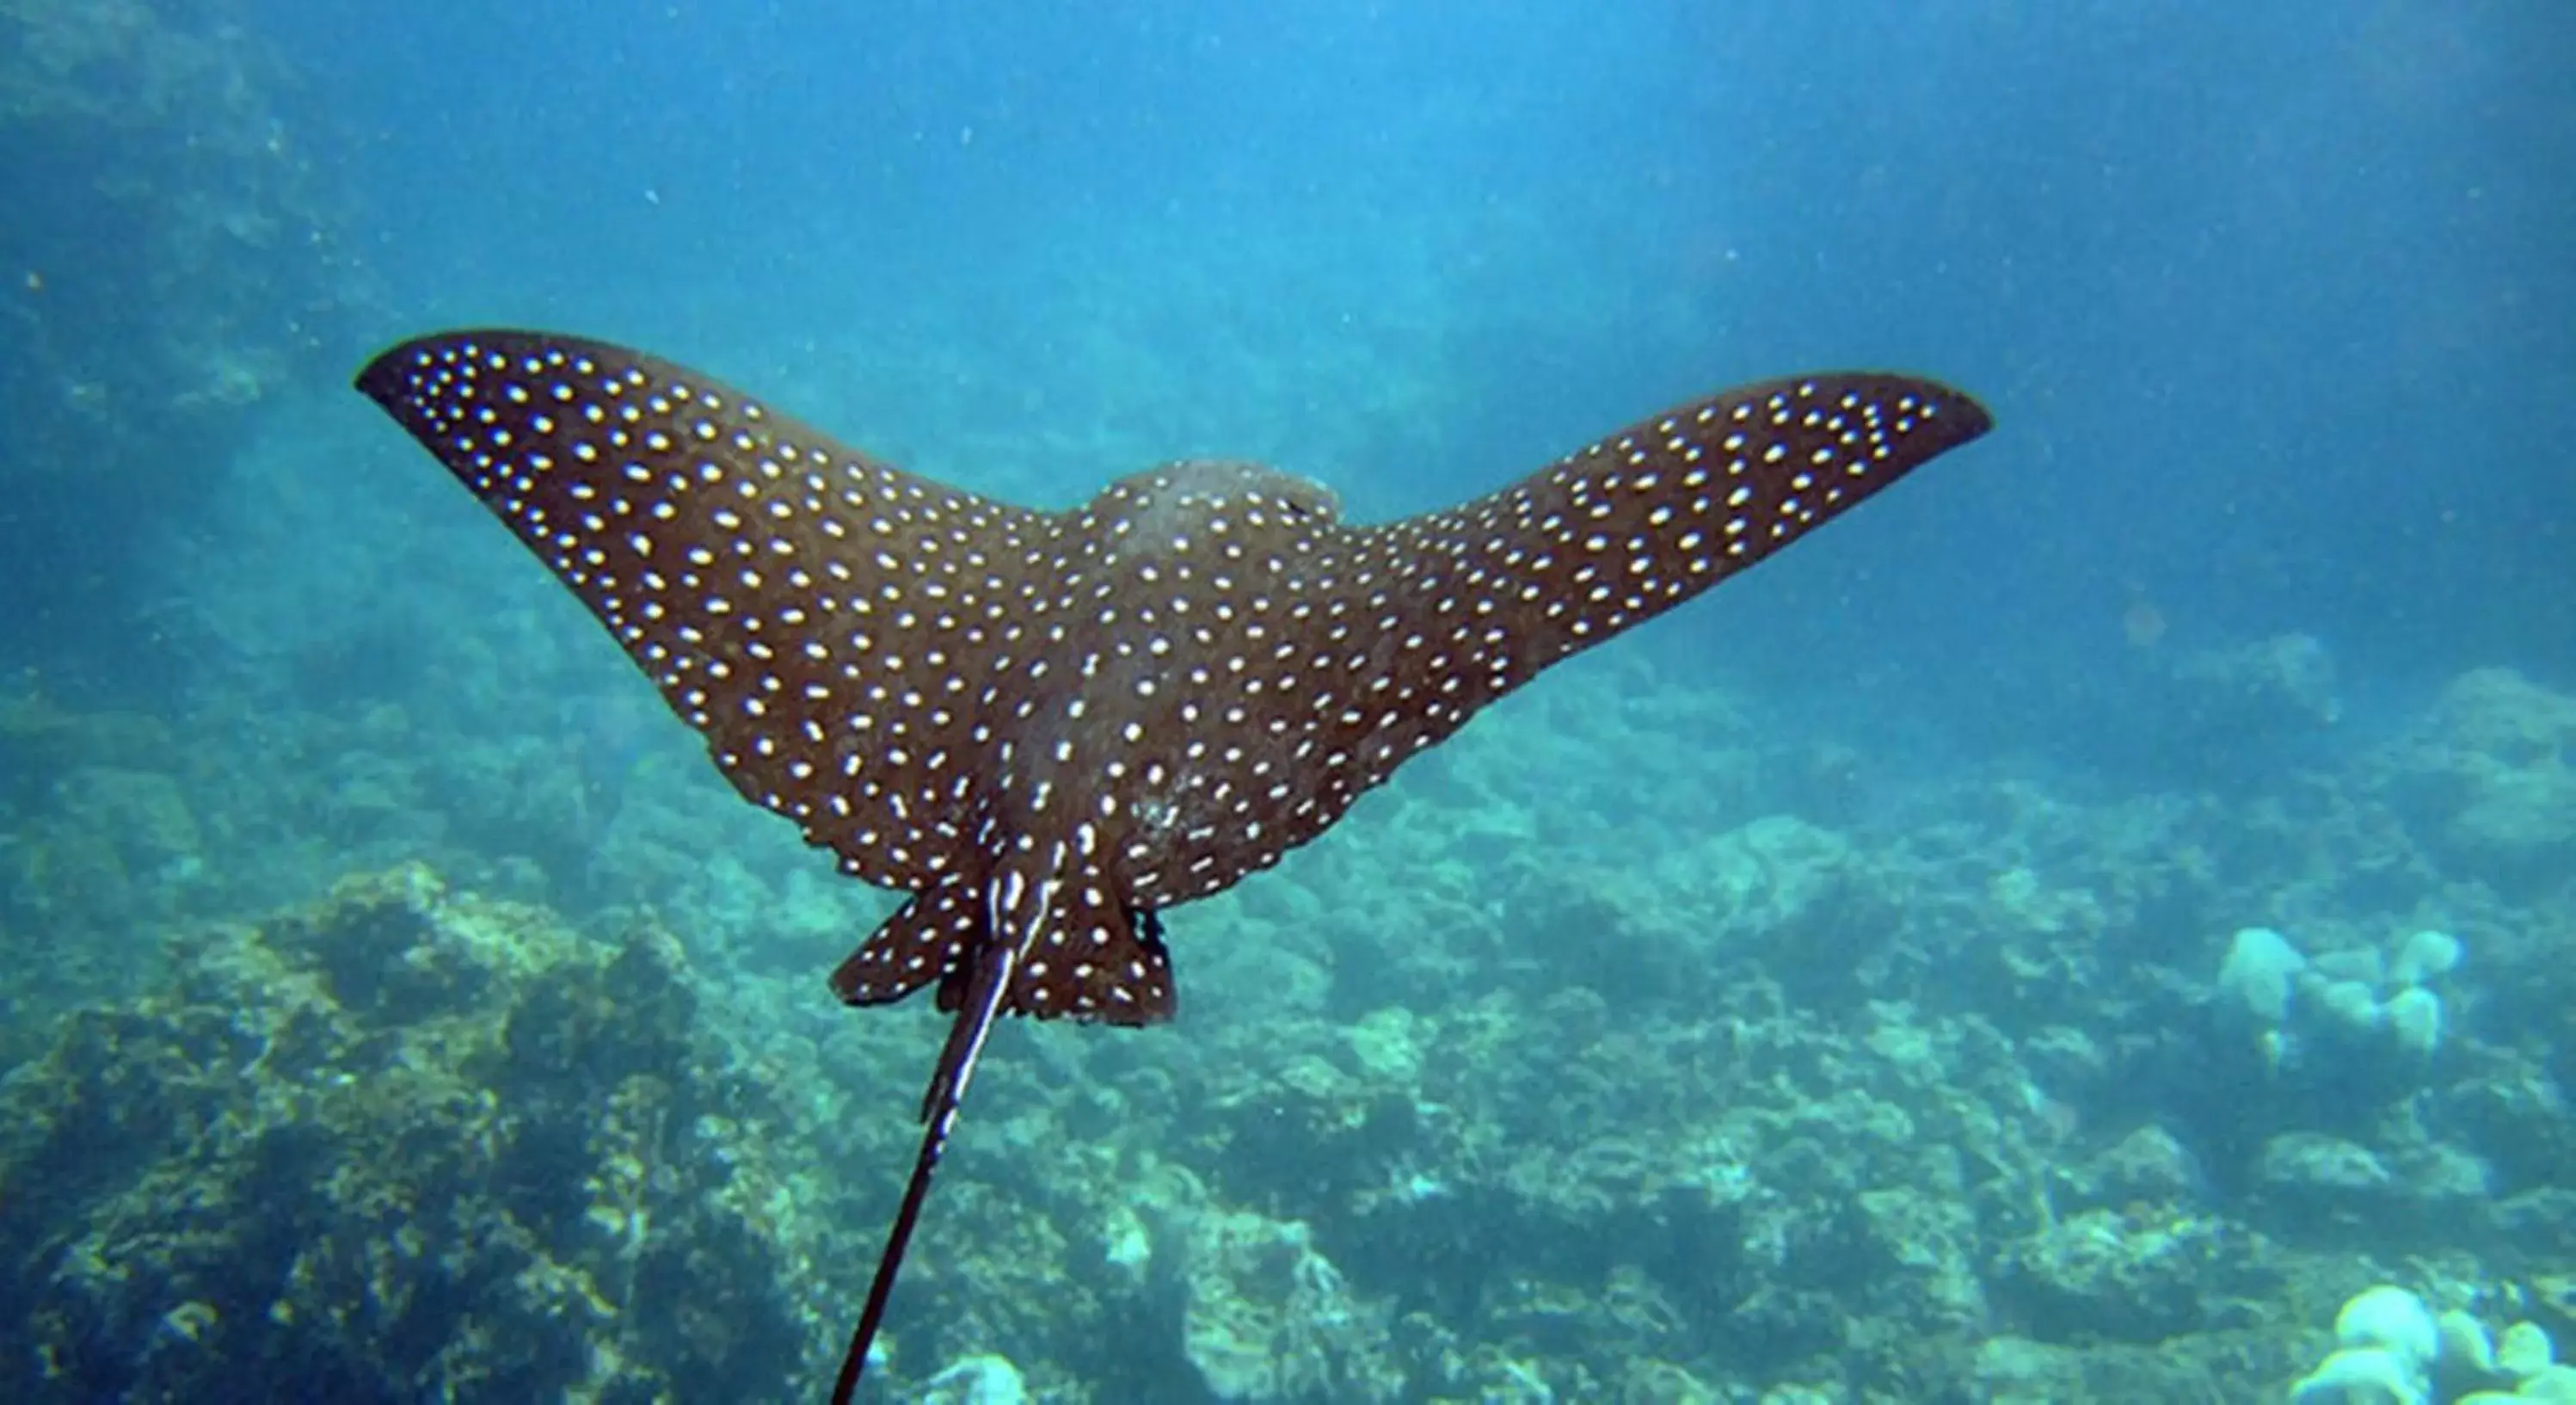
(948, 1082)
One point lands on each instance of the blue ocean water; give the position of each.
(1835, 990)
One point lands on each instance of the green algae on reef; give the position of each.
(398, 1143)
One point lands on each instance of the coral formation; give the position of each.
(178, 259)
(400, 1141)
(1532, 1091)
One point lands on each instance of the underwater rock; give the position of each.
(2141, 1276)
(402, 1144)
(109, 852)
(2016, 1371)
(2231, 714)
(2149, 1166)
(1317, 1112)
(1930, 1246)
(1269, 1318)
(2008, 1370)
(2485, 782)
(2336, 1176)
(145, 810)
(983, 1379)
(2284, 684)
(1795, 899)
(2404, 1187)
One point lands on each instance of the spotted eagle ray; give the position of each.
(1049, 726)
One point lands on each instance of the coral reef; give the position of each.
(2491, 775)
(177, 258)
(1551, 1084)
(187, 256)
(399, 1142)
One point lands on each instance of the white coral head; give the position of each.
(2370, 1375)
(2389, 1317)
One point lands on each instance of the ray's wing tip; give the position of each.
(385, 372)
(1974, 420)
(1966, 412)
(1968, 416)
(1922, 403)
(1956, 417)
(383, 377)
